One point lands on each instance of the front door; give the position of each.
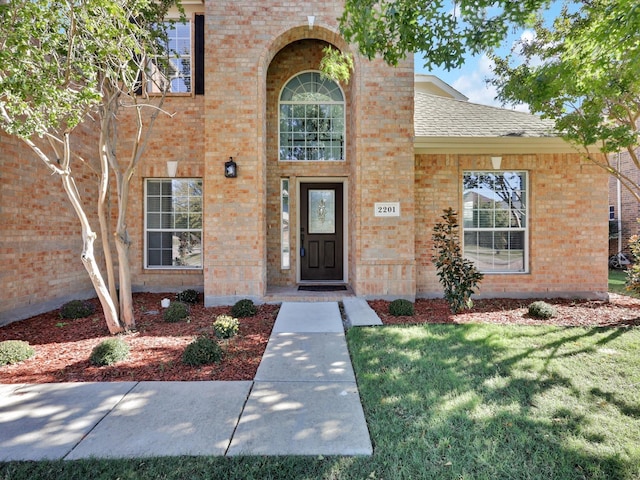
(321, 252)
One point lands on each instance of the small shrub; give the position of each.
(459, 276)
(188, 296)
(109, 351)
(633, 270)
(77, 309)
(226, 326)
(401, 308)
(541, 309)
(175, 312)
(202, 351)
(15, 351)
(244, 308)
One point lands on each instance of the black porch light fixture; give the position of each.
(230, 169)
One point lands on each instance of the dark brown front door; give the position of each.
(321, 252)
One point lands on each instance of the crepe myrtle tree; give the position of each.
(64, 63)
(582, 72)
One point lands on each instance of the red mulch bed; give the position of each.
(620, 311)
(63, 346)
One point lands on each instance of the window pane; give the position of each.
(178, 221)
(494, 220)
(312, 120)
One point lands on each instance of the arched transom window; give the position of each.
(312, 119)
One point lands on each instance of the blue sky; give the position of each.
(470, 78)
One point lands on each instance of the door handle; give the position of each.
(302, 252)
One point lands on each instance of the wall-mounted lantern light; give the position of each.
(495, 162)
(172, 168)
(311, 19)
(230, 169)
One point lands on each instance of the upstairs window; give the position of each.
(181, 70)
(495, 221)
(312, 119)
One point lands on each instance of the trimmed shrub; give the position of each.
(542, 309)
(401, 308)
(15, 351)
(175, 312)
(77, 309)
(188, 296)
(244, 308)
(226, 326)
(109, 351)
(202, 351)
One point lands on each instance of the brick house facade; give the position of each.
(397, 157)
(624, 210)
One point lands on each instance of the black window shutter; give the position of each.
(198, 55)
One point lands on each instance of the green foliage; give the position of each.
(458, 276)
(226, 326)
(15, 351)
(188, 296)
(336, 65)
(52, 84)
(633, 270)
(582, 73)
(109, 351)
(401, 308)
(202, 351)
(542, 309)
(395, 28)
(175, 312)
(77, 309)
(244, 308)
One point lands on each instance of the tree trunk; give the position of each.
(88, 258)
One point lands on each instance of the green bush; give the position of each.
(109, 351)
(633, 270)
(202, 351)
(77, 309)
(188, 296)
(401, 308)
(226, 326)
(175, 312)
(244, 308)
(542, 309)
(15, 351)
(458, 276)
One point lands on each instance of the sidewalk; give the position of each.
(303, 401)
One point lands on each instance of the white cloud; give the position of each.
(473, 83)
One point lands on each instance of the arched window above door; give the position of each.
(311, 119)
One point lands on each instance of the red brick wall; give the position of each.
(567, 227)
(629, 212)
(40, 241)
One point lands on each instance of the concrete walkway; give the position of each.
(303, 401)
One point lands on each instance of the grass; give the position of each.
(454, 402)
(617, 281)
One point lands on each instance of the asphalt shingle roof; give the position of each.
(437, 116)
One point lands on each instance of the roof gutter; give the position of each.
(489, 145)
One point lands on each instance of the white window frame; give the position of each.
(148, 230)
(157, 79)
(342, 103)
(525, 230)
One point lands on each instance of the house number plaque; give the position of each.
(387, 209)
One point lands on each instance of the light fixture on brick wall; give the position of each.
(172, 168)
(495, 162)
(230, 169)
(311, 19)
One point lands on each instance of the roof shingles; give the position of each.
(436, 116)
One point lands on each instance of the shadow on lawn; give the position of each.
(480, 401)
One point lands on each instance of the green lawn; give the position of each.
(455, 402)
(617, 280)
